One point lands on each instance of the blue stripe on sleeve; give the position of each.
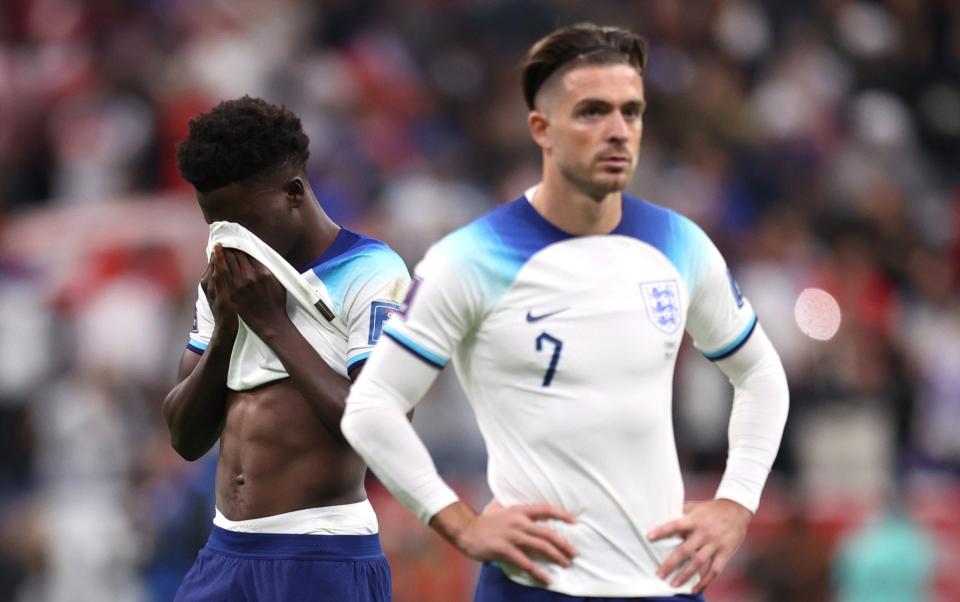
(737, 344)
(196, 346)
(357, 360)
(418, 350)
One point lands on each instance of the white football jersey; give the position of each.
(365, 279)
(565, 346)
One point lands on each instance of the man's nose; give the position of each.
(617, 127)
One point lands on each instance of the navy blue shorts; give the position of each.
(494, 586)
(266, 567)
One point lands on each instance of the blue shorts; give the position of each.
(266, 567)
(494, 586)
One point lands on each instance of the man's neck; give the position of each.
(318, 234)
(575, 212)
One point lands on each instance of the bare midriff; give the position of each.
(277, 457)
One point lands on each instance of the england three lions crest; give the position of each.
(663, 305)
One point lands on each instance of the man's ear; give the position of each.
(539, 126)
(295, 190)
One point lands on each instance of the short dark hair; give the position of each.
(585, 42)
(238, 140)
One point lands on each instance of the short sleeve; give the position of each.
(440, 308)
(375, 301)
(721, 319)
(202, 328)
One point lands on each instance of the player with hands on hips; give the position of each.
(562, 313)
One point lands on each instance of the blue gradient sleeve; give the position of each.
(442, 306)
(721, 319)
(378, 281)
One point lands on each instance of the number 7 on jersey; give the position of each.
(554, 359)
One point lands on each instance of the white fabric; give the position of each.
(760, 405)
(252, 362)
(234, 236)
(366, 281)
(566, 348)
(376, 425)
(346, 519)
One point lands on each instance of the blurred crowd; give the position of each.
(818, 143)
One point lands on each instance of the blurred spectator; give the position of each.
(172, 512)
(793, 565)
(889, 559)
(931, 333)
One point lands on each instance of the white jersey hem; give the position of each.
(649, 587)
(347, 519)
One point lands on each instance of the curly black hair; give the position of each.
(239, 140)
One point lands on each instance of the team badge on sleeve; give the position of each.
(380, 312)
(663, 305)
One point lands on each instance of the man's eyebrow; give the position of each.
(642, 104)
(593, 101)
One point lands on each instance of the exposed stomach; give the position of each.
(276, 456)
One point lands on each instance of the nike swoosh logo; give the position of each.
(533, 318)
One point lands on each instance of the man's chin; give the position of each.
(598, 185)
(610, 183)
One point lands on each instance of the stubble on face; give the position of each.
(595, 113)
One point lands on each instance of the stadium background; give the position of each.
(817, 142)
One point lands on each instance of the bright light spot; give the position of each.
(817, 314)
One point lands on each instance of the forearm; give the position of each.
(321, 386)
(760, 405)
(194, 409)
(376, 426)
(451, 522)
(386, 441)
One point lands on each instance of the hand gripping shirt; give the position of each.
(365, 279)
